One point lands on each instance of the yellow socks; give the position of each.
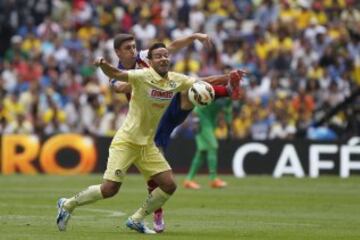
(89, 195)
(155, 200)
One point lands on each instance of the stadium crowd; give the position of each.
(302, 56)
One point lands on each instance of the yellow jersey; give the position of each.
(151, 94)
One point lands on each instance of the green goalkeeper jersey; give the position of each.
(205, 137)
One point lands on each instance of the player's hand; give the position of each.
(99, 61)
(204, 39)
(236, 82)
(237, 74)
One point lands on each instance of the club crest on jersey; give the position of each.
(162, 95)
(172, 83)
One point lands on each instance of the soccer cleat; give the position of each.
(236, 78)
(63, 215)
(191, 184)
(139, 226)
(159, 224)
(218, 183)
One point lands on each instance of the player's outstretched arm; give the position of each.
(120, 87)
(235, 75)
(178, 44)
(216, 80)
(111, 71)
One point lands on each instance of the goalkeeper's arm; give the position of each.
(224, 79)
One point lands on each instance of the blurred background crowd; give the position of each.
(303, 59)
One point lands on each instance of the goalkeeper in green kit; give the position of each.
(206, 142)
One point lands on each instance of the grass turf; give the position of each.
(250, 208)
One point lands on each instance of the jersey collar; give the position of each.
(157, 77)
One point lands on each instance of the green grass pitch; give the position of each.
(250, 208)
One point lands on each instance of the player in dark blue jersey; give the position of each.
(180, 107)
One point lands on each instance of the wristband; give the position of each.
(112, 82)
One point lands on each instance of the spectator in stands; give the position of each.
(311, 45)
(15, 50)
(144, 31)
(260, 127)
(282, 128)
(188, 65)
(20, 125)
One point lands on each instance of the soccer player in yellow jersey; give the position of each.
(180, 106)
(152, 91)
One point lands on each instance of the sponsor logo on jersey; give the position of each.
(162, 95)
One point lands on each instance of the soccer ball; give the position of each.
(201, 93)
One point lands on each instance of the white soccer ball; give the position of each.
(201, 93)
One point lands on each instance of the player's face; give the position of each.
(160, 61)
(127, 52)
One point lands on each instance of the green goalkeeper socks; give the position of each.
(212, 163)
(211, 155)
(195, 165)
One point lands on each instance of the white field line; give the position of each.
(29, 217)
(108, 212)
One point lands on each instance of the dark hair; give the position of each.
(121, 38)
(155, 46)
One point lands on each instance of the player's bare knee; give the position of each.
(169, 187)
(173, 187)
(110, 189)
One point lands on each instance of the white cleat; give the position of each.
(63, 215)
(139, 226)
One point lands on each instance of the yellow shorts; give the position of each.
(148, 160)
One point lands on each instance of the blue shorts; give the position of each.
(172, 118)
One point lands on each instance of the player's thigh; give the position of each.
(152, 162)
(121, 156)
(186, 104)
